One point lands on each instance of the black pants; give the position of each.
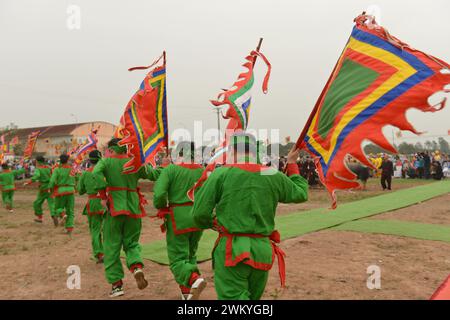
(386, 178)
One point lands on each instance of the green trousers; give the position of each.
(7, 198)
(66, 204)
(120, 232)
(95, 229)
(240, 282)
(182, 253)
(41, 197)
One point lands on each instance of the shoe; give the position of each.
(185, 296)
(11, 211)
(116, 291)
(140, 278)
(196, 289)
(55, 221)
(38, 219)
(68, 232)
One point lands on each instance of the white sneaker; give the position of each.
(185, 296)
(116, 292)
(196, 289)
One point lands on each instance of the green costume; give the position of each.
(122, 224)
(94, 210)
(245, 198)
(182, 237)
(63, 185)
(7, 181)
(42, 175)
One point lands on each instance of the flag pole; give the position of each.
(258, 47)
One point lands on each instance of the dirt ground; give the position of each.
(322, 265)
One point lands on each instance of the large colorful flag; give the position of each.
(29, 148)
(144, 122)
(238, 99)
(375, 81)
(82, 150)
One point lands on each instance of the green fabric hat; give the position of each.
(243, 140)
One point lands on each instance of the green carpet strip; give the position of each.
(299, 223)
(417, 230)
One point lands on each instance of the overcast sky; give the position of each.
(50, 74)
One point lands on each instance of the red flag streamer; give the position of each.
(238, 99)
(31, 142)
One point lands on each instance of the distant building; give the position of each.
(55, 140)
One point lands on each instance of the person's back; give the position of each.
(256, 190)
(63, 185)
(94, 209)
(125, 208)
(42, 174)
(62, 181)
(244, 197)
(182, 237)
(8, 185)
(123, 192)
(185, 176)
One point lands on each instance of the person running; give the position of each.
(94, 208)
(182, 237)
(42, 174)
(122, 223)
(63, 185)
(244, 196)
(7, 182)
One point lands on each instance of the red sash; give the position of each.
(162, 213)
(142, 200)
(276, 250)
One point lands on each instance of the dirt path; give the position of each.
(322, 265)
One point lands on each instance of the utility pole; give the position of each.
(218, 121)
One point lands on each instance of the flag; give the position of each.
(238, 99)
(375, 81)
(29, 148)
(14, 141)
(144, 121)
(73, 150)
(81, 151)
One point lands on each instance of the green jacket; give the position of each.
(123, 193)
(7, 179)
(62, 182)
(87, 185)
(245, 199)
(42, 175)
(170, 191)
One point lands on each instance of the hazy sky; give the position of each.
(50, 74)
